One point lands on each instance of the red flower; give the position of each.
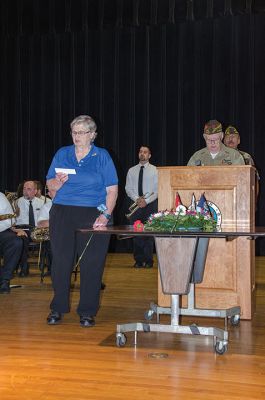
(190, 212)
(138, 225)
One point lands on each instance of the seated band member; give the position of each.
(29, 207)
(39, 192)
(88, 180)
(43, 222)
(215, 152)
(44, 214)
(10, 245)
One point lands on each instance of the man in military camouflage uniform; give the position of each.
(232, 140)
(215, 152)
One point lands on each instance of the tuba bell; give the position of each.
(40, 234)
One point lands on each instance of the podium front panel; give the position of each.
(229, 278)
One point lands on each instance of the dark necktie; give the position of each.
(140, 181)
(31, 214)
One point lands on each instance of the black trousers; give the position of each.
(48, 253)
(25, 253)
(66, 245)
(143, 246)
(23, 261)
(10, 248)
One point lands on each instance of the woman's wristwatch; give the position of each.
(106, 215)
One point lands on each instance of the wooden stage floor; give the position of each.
(41, 362)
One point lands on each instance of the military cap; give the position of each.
(213, 126)
(231, 130)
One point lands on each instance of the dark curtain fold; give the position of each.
(49, 16)
(155, 80)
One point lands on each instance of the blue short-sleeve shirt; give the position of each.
(94, 173)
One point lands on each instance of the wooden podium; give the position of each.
(229, 277)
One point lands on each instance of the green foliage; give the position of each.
(170, 222)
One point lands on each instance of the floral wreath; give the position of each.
(182, 219)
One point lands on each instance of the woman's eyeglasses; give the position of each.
(80, 133)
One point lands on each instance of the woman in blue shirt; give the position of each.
(84, 178)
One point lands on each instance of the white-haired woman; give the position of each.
(84, 177)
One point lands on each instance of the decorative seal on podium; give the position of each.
(215, 212)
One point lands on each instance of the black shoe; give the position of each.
(23, 274)
(87, 322)
(138, 265)
(149, 265)
(24, 271)
(102, 287)
(5, 287)
(54, 318)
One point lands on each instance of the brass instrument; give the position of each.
(134, 207)
(13, 199)
(40, 234)
(3, 217)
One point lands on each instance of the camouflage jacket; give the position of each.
(226, 156)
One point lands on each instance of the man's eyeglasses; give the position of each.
(212, 141)
(80, 133)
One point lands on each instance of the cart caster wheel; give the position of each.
(148, 315)
(120, 340)
(235, 320)
(220, 347)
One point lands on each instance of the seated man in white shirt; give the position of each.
(29, 207)
(43, 222)
(10, 244)
(39, 193)
(44, 214)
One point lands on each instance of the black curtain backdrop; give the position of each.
(148, 71)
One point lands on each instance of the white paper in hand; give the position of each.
(67, 171)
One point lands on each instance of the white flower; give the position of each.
(157, 215)
(181, 210)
